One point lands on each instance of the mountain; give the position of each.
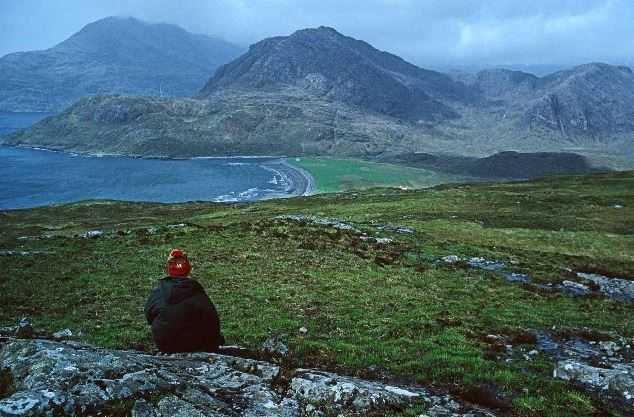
(591, 102)
(318, 92)
(328, 64)
(111, 56)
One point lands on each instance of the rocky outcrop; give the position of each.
(42, 377)
(619, 289)
(604, 367)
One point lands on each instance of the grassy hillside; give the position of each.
(333, 175)
(363, 303)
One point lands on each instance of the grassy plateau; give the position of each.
(363, 303)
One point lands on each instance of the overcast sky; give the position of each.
(432, 33)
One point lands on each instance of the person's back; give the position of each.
(182, 317)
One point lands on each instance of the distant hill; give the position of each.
(318, 92)
(111, 56)
(509, 165)
(251, 123)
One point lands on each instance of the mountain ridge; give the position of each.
(318, 92)
(114, 55)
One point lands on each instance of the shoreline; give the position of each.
(135, 156)
(300, 182)
(296, 181)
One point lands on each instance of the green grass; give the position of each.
(333, 175)
(422, 321)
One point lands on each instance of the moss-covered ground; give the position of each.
(362, 303)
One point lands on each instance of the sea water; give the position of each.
(31, 177)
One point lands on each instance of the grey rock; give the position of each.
(609, 347)
(173, 406)
(601, 367)
(378, 240)
(619, 378)
(21, 253)
(515, 277)
(617, 288)
(38, 237)
(72, 379)
(316, 388)
(396, 229)
(486, 264)
(574, 288)
(276, 344)
(63, 334)
(142, 408)
(92, 234)
(451, 259)
(322, 221)
(42, 371)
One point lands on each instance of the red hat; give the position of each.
(178, 264)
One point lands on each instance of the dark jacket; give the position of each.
(183, 318)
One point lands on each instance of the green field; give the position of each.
(363, 304)
(335, 175)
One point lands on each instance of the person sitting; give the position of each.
(182, 316)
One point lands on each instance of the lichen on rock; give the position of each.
(52, 378)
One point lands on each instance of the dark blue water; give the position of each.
(10, 122)
(30, 178)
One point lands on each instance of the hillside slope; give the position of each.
(111, 56)
(248, 123)
(469, 288)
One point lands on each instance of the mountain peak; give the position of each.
(113, 55)
(326, 63)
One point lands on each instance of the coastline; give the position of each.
(299, 182)
(139, 156)
(311, 184)
(294, 180)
